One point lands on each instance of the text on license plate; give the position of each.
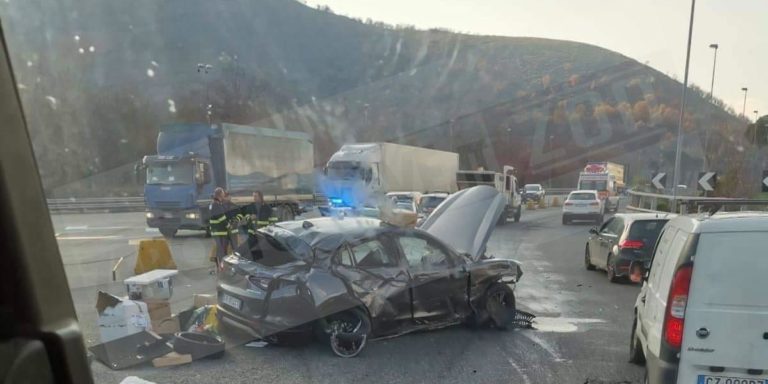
(707, 379)
(231, 301)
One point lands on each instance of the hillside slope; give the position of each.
(544, 106)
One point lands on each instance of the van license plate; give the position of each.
(707, 379)
(231, 301)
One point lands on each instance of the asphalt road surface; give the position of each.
(580, 336)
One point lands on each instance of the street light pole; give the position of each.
(755, 111)
(744, 107)
(204, 69)
(714, 64)
(676, 177)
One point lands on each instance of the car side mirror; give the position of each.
(646, 273)
(593, 230)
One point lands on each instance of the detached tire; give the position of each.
(199, 345)
(500, 306)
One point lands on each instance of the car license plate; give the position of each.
(231, 301)
(168, 215)
(707, 379)
(581, 205)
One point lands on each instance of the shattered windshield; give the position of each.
(170, 135)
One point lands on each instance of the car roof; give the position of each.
(631, 217)
(584, 191)
(330, 232)
(746, 221)
(435, 194)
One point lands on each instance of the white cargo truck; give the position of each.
(607, 179)
(360, 175)
(505, 182)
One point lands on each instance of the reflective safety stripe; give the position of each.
(219, 233)
(219, 220)
(260, 222)
(251, 231)
(273, 219)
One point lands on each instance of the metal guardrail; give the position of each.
(111, 204)
(654, 202)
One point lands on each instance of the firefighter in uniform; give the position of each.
(257, 214)
(221, 220)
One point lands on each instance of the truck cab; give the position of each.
(173, 190)
(505, 182)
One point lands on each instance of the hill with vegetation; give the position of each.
(98, 78)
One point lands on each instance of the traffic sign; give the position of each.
(707, 181)
(659, 180)
(765, 181)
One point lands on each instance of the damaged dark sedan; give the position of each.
(347, 280)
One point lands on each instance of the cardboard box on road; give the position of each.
(153, 285)
(200, 300)
(119, 317)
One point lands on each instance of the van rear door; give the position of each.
(726, 318)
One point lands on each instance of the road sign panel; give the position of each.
(707, 181)
(659, 180)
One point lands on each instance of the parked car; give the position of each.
(346, 279)
(701, 314)
(533, 192)
(428, 203)
(583, 205)
(623, 244)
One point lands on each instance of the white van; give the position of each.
(702, 313)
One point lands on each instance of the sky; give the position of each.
(650, 31)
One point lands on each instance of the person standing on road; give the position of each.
(220, 220)
(257, 214)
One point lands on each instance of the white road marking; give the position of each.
(76, 228)
(561, 324)
(545, 346)
(519, 370)
(89, 237)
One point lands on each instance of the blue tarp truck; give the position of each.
(193, 159)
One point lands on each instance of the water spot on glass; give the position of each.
(150, 72)
(123, 141)
(154, 63)
(21, 86)
(171, 106)
(91, 48)
(52, 101)
(37, 79)
(740, 148)
(77, 37)
(81, 50)
(29, 63)
(66, 149)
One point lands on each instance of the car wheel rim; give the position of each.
(347, 335)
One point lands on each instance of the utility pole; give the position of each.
(711, 97)
(714, 64)
(676, 177)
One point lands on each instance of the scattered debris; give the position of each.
(257, 344)
(173, 358)
(153, 285)
(198, 345)
(119, 318)
(135, 380)
(522, 320)
(200, 300)
(131, 350)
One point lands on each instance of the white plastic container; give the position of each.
(153, 285)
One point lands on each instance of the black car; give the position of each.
(534, 192)
(622, 245)
(348, 279)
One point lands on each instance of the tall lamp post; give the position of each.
(204, 69)
(676, 175)
(744, 107)
(714, 64)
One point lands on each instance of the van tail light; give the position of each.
(674, 316)
(594, 203)
(631, 244)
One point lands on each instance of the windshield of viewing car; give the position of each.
(170, 173)
(170, 134)
(582, 196)
(594, 185)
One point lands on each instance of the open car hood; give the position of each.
(466, 219)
